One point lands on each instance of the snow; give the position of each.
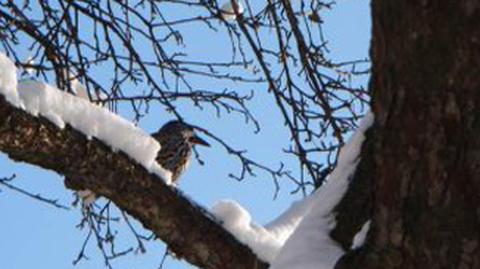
(299, 238)
(310, 245)
(238, 221)
(360, 237)
(8, 81)
(227, 11)
(61, 108)
(266, 240)
(79, 89)
(30, 70)
(283, 226)
(88, 197)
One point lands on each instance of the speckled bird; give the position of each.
(177, 140)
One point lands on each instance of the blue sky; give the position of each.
(35, 234)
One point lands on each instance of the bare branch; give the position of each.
(53, 202)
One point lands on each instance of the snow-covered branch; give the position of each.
(116, 174)
(98, 150)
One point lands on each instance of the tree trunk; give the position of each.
(425, 192)
(418, 180)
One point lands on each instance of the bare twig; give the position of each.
(53, 202)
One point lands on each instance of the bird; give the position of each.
(177, 140)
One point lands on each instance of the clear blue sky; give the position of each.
(33, 234)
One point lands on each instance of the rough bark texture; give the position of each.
(418, 181)
(426, 143)
(188, 229)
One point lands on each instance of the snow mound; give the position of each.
(61, 108)
(299, 238)
(265, 241)
(238, 221)
(360, 237)
(228, 12)
(8, 81)
(310, 246)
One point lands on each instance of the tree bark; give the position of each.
(425, 144)
(418, 180)
(188, 229)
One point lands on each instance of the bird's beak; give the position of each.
(197, 140)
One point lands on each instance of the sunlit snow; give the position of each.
(299, 238)
(61, 108)
(227, 11)
(310, 245)
(266, 240)
(360, 237)
(8, 81)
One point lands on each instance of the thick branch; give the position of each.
(187, 229)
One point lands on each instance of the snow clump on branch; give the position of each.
(299, 238)
(61, 108)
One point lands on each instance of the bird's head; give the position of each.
(177, 128)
